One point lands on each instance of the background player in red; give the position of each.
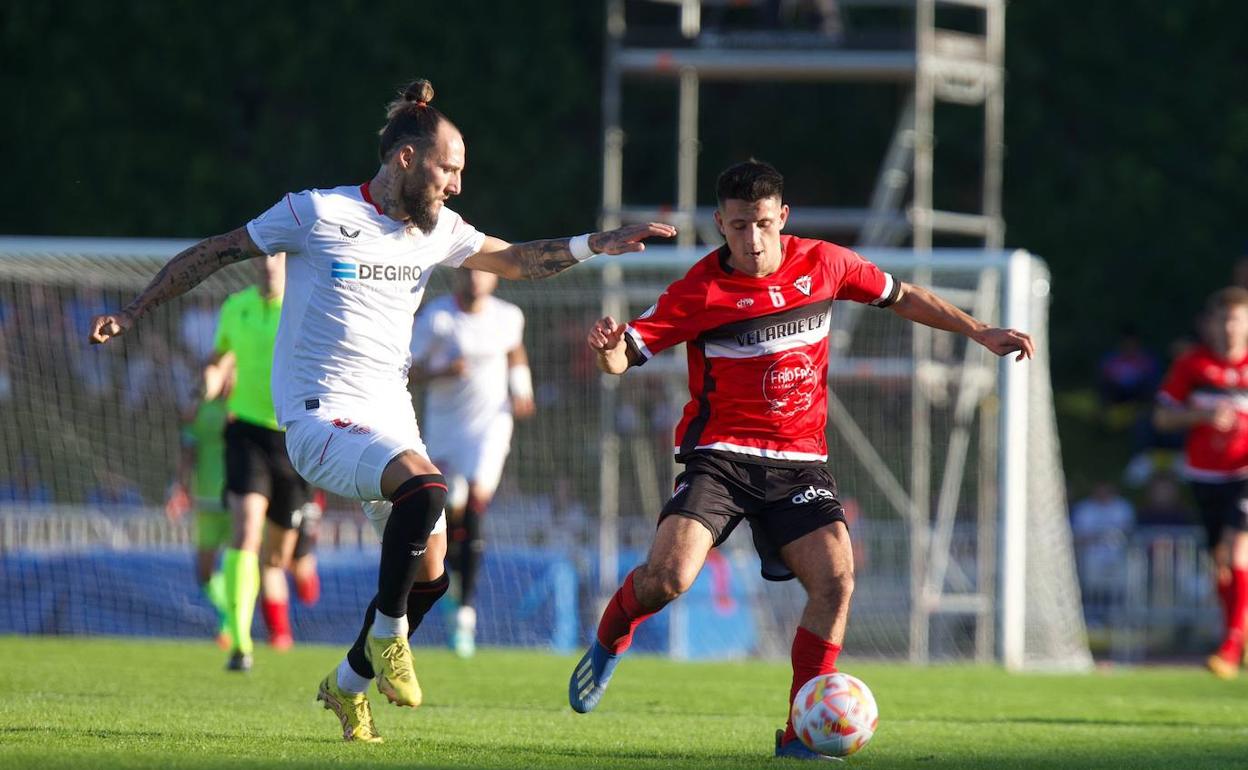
(1206, 393)
(755, 315)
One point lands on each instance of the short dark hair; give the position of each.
(411, 119)
(750, 181)
(1225, 299)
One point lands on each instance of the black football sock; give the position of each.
(356, 657)
(470, 551)
(422, 598)
(417, 505)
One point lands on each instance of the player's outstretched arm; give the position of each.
(179, 275)
(607, 340)
(923, 306)
(542, 259)
(1173, 417)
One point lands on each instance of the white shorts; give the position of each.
(478, 459)
(347, 457)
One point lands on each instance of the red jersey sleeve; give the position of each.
(857, 279)
(1179, 382)
(670, 321)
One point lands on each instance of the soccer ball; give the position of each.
(835, 714)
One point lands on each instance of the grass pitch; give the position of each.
(107, 703)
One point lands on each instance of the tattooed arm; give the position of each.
(542, 259)
(179, 275)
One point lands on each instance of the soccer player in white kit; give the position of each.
(468, 349)
(358, 259)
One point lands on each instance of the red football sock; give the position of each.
(621, 618)
(276, 617)
(812, 656)
(309, 588)
(1233, 646)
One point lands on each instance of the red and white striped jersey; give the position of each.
(1201, 379)
(758, 348)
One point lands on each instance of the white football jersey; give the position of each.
(354, 278)
(443, 332)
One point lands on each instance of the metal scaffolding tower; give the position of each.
(939, 64)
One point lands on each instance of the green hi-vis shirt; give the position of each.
(207, 435)
(248, 329)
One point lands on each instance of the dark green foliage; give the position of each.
(1127, 127)
(159, 119)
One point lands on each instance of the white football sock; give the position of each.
(349, 681)
(385, 626)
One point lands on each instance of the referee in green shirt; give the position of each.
(260, 481)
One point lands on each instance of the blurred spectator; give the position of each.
(156, 375)
(571, 524)
(92, 366)
(6, 372)
(1129, 373)
(41, 320)
(24, 486)
(1163, 504)
(1102, 524)
(114, 491)
(198, 328)
(80, 308)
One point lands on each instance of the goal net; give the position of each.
(921, 437)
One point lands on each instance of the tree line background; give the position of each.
(1126, 126)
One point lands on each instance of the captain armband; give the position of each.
(891, 292)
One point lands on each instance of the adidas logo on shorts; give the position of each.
(810, 494)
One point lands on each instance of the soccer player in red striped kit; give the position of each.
(755, 316)
(1206, 393)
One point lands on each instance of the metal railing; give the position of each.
(1149, 594)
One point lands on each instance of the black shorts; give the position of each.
(781, 504)
(1221, 505)
(256, 462)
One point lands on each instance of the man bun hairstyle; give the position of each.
(750, 181)
(410, 119)
(419, 91)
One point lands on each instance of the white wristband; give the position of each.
(579, 246)
(520, 381)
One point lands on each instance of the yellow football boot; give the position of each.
(1221, 667)
(352, 710)
(396, 678)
